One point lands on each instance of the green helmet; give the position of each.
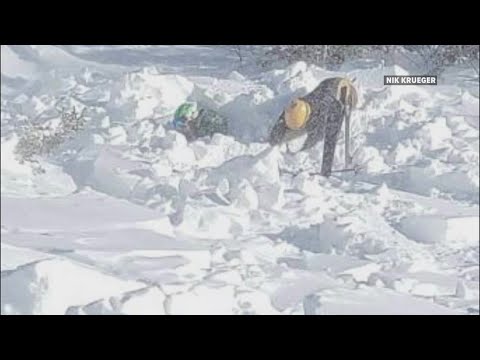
(187, 110)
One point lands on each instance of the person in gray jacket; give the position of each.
(320, 115)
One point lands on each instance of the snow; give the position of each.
(52, 286)
(87, 210)
(145, 94)
(434, 228)
(19, 180)
(130, 218)
(132, 303)
(13, 257)
(434, 135)
(374, 302)
(204, 300)
(14, 66)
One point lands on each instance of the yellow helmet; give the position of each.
(297, 114)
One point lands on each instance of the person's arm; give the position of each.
(277, 134)
(189, 131)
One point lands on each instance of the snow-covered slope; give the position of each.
(128, 218)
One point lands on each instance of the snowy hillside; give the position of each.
(129, 218)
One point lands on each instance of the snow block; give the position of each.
(438, 229)
(52, 286)
(374, 301)
(204, 300)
